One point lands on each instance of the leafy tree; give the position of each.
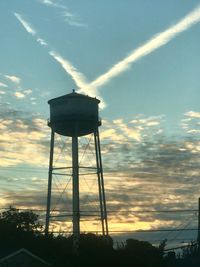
(22, 220)
(22, 229)
(139, 254)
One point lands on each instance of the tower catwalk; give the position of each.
(75, 115)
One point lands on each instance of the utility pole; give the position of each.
(198, 236)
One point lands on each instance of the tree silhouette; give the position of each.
(22, 229)
(22, 220)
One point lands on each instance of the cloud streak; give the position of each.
(13, 79)
(52, 4)
(70, 18)
(3, 84)
(25, 24)
(150, 46)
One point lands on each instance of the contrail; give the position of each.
(78, 77)
(156, 42)
(25, 24)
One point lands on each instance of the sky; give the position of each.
(141, 59)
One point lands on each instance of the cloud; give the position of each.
(42, 42)
(25, 24)
(52, 4)
(3, 84)
(138, 129)
(70, 18)
(13, 79)
(27, 91)
(150, 46)
(2, 92)
(73, 20)
(19, 95)
(128, 132)
(192, 114)
(138, 173)
(21, 135)
(193, 131)
(191, 122)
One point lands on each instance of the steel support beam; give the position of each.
(75, 184)
(49, 182)
(102, 197)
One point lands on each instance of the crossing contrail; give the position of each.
(78, 77)
(92, 88)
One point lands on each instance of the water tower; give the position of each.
(75, 115)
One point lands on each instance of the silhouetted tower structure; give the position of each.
(75, 115)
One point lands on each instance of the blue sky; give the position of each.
(151, 114)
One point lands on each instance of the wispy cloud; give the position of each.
(13, 79)
(172, 167)
(52, 4)
(192, 114)
(25, 24)
(19, 95)
(28, 91)
(42, 42)
(2, 92)
(17, 126)
(70, 18)
(3, 84)
(73, 20)
(191, 123)
(150, 46)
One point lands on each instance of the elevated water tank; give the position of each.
(74, 114)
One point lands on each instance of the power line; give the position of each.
(124, 211)
(136, 231)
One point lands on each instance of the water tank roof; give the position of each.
(72, 95)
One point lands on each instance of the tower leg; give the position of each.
(102, 197)
(49, 182)
(99, 183)
(76, 209)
